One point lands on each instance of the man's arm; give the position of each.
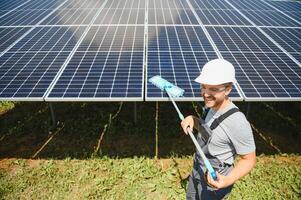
(242, 168)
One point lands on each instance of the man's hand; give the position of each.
(242, 168)
(191, 122)
(221, 182)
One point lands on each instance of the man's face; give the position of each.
(215, 95)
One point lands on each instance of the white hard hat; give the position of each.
(216, 72)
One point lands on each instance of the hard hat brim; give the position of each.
(203, 80)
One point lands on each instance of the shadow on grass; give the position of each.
(25, 129)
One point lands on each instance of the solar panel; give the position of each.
(286, 5)
(12, 4)
(172, 4)
(113, 38)
(294, 15)
(28, 75)
(264, 71)
(70, 17)
(30, 65)
(254, 5)
(241, 39)
(120, 16)
(177, 54)
(9, 35)
(127, 4)
(106, 50)
(170, 12)
(270, 18)
(221, 17)
(101, 76)
(210, 4)
(23, 17)
(288, 38)
(171, 16)
(266, 76)
(82, 4)
(40, 4)
(108, 64)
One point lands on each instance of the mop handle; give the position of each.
(206, 161)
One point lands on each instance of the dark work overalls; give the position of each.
(198, 187)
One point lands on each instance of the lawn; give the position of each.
(98, 151)
(275, 177)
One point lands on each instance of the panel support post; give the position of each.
(248, 109)
(53, 119)
(135, 112)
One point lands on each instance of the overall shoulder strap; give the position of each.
(221, 118)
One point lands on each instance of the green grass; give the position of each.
(275, 177)
(124, 168)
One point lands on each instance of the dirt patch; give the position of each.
(164, 164)
(34, 163)
(296, 160)
(6, 164)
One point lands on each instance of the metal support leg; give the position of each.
(53, 119)
(135, 112)
(248, 109)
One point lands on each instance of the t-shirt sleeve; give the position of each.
(242, 135)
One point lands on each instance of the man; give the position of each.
(229, 134)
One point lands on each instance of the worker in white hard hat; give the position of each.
(223, 132)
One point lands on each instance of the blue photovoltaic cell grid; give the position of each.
(171, 4)
(262, 13)
(125, 4)
(255, 5)
(120, 16)
(57, 38)
(288, 38)
(177, 38)
(107, 64)
(263, 71)
(28, 13)
(178, 54)
(11, 4)
(210, 4)
(113, 38)
(101, 75)
(70, 17)
(83, 4)
(40, 5)
(23, 17)
(109, 61)
(270, 18)
(286, 5)
(30, 66)
(266, 75)
(171, 16)
(218, 13)
(170, 12)
(9, 35)
(241, 39)
(221, 17)
(2, 13)
(28, 75)
(295, 15)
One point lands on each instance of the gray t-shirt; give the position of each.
(232, 136)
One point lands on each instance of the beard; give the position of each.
(213, 102)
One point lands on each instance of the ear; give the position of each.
(228, 90)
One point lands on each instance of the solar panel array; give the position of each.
(106, 50)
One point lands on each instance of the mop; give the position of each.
(174, 91)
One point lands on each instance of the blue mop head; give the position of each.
(163, 84)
